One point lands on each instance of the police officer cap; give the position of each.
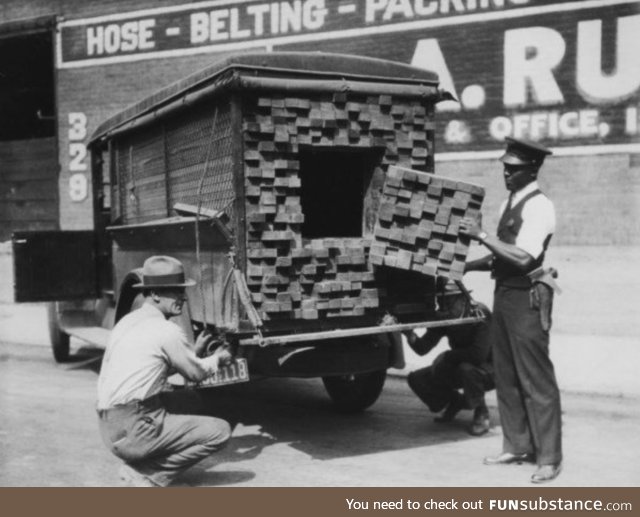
(523, 152)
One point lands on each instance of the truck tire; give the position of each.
(58, 338)
(356, 392)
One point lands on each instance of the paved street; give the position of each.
(286, 434)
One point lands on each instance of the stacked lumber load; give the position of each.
(326, 278)
(419, 220)
(291, 277)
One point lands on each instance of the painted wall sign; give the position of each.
(567, 82)
(561, 72)
(233, 24)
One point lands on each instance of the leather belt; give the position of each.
(514, 282)
(133, 406)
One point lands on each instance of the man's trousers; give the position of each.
(157, 443)
(528, 395)
(438, 384)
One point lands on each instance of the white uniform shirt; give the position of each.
(538, 220)
(143, 350)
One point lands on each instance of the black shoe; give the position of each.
(507, 458)
(546, 473)
(480, 423)
(454, 407)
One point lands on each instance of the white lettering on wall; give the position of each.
(428, 55)
(426, 8)
(77, 153)
(530, 55)
(77, 126)
(446, 6)
(199, 27)
(397, 10)
(112, 38)
(457, 132)
(77, 132)
(549, 124)
(78, 187)
(624, 82)
(314, 14)
(263, 19)
(372, 8)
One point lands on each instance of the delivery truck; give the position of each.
(298, 190)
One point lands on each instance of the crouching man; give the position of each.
(466, 366)
(144, 349)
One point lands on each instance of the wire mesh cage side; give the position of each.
(186, 159)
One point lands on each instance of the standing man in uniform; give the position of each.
(528, 395)
(466, 366)
(134, 408)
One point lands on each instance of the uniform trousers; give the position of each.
(528, 394)
(438, 384)
(157, 443)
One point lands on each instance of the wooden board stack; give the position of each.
(419, 220)
(288, 276)
(328, 277)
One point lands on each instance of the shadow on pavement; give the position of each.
(85, 357)
(197, 476)
(299, 413)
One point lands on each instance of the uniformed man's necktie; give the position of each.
(510, 202)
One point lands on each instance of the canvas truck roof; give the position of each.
(279, 71)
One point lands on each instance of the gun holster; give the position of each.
(541, 294)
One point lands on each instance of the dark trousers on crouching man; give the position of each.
(437, 385)
(157, 443)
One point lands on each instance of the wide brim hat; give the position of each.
(524, 152)
(163, 272)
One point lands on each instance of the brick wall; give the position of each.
(596, 197)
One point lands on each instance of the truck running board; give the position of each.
(98, 336)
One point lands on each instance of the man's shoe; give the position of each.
(134, 478)
(454, 407)
(480, 423)
(507, 458)
(546, 473)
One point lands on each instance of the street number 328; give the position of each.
(78, 184)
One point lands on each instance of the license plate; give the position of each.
(233, 373)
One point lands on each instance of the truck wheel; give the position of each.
(59, 339)
(356, 392)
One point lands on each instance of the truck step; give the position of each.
(97, 336)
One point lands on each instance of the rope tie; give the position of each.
(197, 222)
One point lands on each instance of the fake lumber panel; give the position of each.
(291, 277)
(418, 223)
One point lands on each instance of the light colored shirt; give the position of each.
(143, 350)
(538, 220)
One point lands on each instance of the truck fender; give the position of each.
(127, 293)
